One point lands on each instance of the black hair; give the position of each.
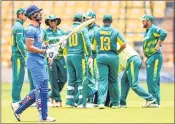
(77, 20)
(30, 17)
(107, 21)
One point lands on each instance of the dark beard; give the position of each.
(145, 26)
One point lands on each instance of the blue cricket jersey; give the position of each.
(37, 34)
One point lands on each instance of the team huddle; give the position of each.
(89, 60)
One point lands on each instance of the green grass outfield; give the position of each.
(133, 114)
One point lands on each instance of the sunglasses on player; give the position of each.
(54, 20)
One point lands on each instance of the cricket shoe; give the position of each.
(75, 104)
(15, 106)
(123, 106)
(70, 106)
(50, 102)
(80, 106)
(90, 105)
(148, 103)
(101, 106)
(48, 119)
(115, 107)
(58, 104)
(154, 106)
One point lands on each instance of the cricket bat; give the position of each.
(80, 27)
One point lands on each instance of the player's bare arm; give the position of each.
(31, 48)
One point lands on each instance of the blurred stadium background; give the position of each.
(126, 18)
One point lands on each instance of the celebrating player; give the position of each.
(35, 64)
(153, 38)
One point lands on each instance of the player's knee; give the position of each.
(134, 87)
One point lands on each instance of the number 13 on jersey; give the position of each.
(105, 43)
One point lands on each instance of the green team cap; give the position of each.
(52, 17)
(107, 17)
(90, 14)
(147, 17)
(20, 10)
(78, 16)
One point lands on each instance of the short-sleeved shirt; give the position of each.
(79, 43)
(106, 38)
(36, 33)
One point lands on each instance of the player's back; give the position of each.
(106, 40)
(76, 42)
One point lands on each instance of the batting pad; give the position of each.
(26, 102)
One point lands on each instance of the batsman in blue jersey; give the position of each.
(36, 65)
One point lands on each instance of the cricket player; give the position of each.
(92, 69)
(18, 47)
(78, 46)
(105, 41)
(132, 62)
(36, 66)
(57, 69)
(153, 38)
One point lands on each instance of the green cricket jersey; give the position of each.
(106, 39)
(91, 30)
(54, 37)
(79, 43)
(18, 39)
(152, 35)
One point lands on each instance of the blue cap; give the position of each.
(32, 9)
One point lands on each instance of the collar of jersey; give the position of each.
(106, 25)
(150, 27)
(76, 23)
(52, 30)
(18, 20)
